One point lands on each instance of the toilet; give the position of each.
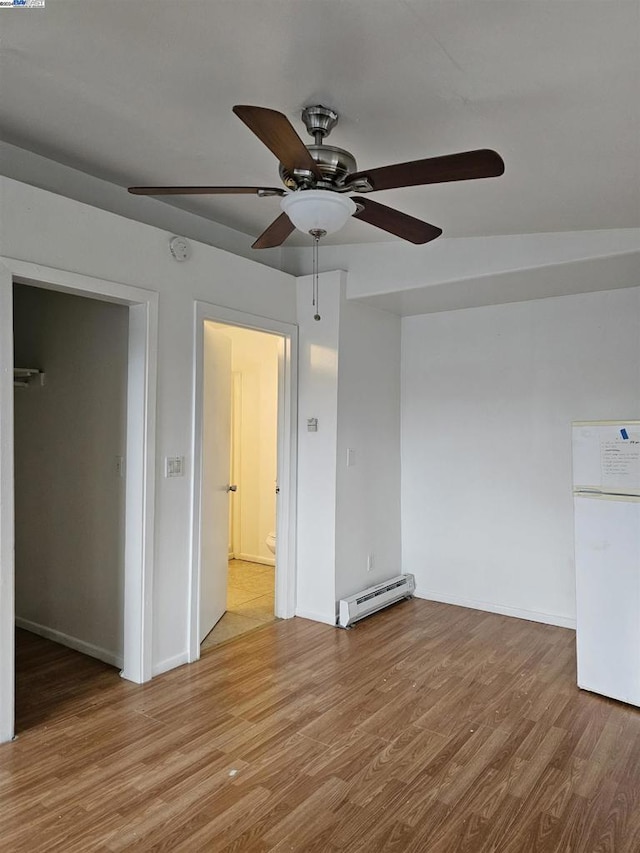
(271, 542)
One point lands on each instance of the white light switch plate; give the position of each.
(174, 466)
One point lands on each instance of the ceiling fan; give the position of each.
(319, 177)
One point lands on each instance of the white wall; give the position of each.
(468, 272)
(318, 398)
(368, 491)
(48, 229)
(350, 381)
(69, 497)
(254, 361)
(23, 165)
(488, 396)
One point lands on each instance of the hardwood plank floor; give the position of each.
(426, 729)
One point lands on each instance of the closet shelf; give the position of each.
(22, 376)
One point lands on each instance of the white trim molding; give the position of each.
(7, 529)
(170, 663)
(70, 642)
(503, 610)
(330, 619)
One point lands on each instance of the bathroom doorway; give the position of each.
(252, 499)
(243, 480)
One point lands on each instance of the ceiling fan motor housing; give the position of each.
(319, 121)
(334, 163)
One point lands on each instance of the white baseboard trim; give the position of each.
(74, 643)
(169, 663)
(516, 612)
(251, 558)
(316, 617)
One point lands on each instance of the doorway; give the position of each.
(252, 423)
(244, 456)
(142, 306)
(70, 418)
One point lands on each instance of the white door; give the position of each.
(216, 455)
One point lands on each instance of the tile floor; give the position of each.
(250, 599)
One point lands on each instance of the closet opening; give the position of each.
(70, 424)
(76, 516)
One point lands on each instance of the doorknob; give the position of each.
(232, 488)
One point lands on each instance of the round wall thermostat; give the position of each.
(180, 248)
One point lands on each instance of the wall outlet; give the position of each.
(369, 562)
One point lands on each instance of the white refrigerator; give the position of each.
(606, 482)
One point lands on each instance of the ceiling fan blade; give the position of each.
(275, 234)
(261, 191)
(465, 166)
(401, 224)
(277, 133)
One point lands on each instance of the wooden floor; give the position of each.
(427, 728)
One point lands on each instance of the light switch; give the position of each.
(351, 457)
(174, 466)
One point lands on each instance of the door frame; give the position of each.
(140, 455)
(285, 589)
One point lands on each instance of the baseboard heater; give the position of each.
(374, 598)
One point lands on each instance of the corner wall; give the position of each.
(488, 397)
(318, 398)
(368, 489)
(350, 381)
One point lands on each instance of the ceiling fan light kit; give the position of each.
(318, 210)
(317, 178)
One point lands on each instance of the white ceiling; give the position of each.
(141, 93)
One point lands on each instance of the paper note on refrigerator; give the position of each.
(620, 462)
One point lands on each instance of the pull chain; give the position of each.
(317, 233)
